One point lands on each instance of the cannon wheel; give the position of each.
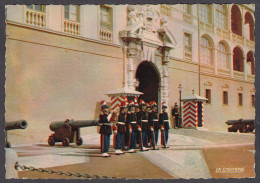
(66, 142)
(51, 141)
(79, 142)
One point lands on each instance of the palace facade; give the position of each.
(61, 60)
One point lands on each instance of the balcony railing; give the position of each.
(250, 44)
(239, 75)
(250, 77)
(106, 35)
(238, 39)
(72, 27)
(206, 27)
(36, 18)
(188, 55)
(224, 72)
(222, 33)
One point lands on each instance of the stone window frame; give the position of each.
(106, 25)
(186, 50)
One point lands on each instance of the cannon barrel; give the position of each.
(246, 121)
(74, 124)
(12, 125)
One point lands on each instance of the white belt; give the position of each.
(165, 121)
(105, 124)
(133, 122)
(121, 123)
(144, 120)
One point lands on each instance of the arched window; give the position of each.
(205, 13)
(238, 58)
(206, 55)
(221, 16)
(251, 62)
(249, 26)
(236, 20)
(223, 56)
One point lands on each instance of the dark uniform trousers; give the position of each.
(156, 125)
(121, 130)
(145, 127)
(133, 124)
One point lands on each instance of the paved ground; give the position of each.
(192, 154)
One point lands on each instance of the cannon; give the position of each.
(68, 131)
(243, 125)
(13, 125)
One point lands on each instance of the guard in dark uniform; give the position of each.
(105, 129)
(164, 122)
(150, 123)
(131, 117)
(144, 125)
(156, 125)
(175, 115)
(127, 130)
(120, 128)
(139, 125)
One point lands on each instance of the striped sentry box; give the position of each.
(190, 114)
(116, 102)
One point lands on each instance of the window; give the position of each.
(72, 13)
(221, 16)
(222, 56)
(253, 100)
(106, 17)
(251, 25)
(236, 20)
(238, 57)
(188, 46)
(206, 51)
(36, 7)
(208, 96)
(105, 32)
(204, 13)
(225, 98)
(187, 8)
(240, 99)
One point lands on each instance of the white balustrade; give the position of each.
(106, 35)
(72, 27)
(36, 18)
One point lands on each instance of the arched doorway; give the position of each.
(148, 78)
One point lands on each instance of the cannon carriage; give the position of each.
(241, 125)
(68, 131)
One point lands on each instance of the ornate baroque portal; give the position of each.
(147, 38)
